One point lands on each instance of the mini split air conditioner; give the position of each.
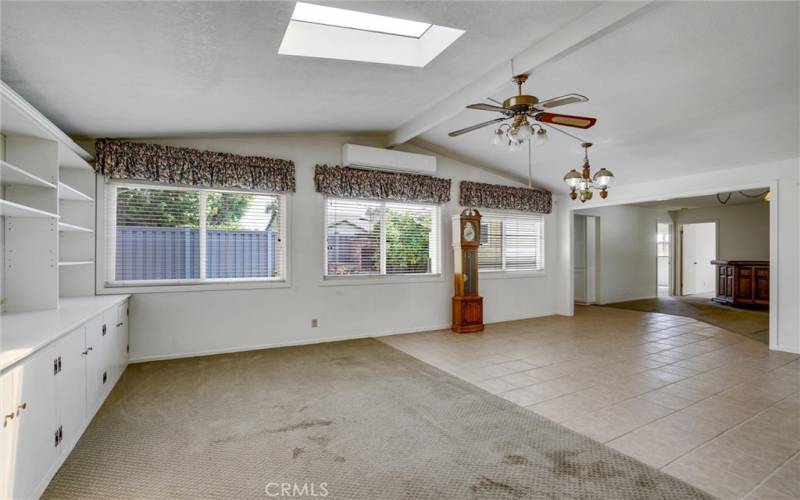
(387, 159)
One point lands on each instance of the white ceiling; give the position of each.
(681, 87)
(710, 201)
(170, 68)
(678, 87)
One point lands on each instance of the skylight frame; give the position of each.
(329, 41)
(324, 15)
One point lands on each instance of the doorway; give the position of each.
(664, 259)
(698, 249)
(585, 261)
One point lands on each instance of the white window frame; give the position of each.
(102, 287)
(372, 279)
(515, 273)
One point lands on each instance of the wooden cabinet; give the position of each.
(742, 282)
(48, 396)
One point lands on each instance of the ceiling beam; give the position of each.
(591, 24)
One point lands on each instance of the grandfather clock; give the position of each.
(467, 304)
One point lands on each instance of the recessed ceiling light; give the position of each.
(343, 18)
(332, 33)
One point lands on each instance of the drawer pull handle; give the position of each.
(22, 405)
(9, 416)
(120, 323)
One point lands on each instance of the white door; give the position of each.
(699, 248)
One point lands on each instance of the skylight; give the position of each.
(343, 18)
(333, 33)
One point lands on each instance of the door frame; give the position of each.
(566, 304)
(679, 291)
(670, 258)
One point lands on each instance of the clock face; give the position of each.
(469, 231)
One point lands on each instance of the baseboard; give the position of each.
(643, 297)
(321, 340)
(792, 349)
(274, 345)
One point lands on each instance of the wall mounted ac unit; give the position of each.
(387, 159)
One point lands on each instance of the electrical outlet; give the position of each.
(314, 323)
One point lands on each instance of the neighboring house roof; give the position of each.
(359, 227)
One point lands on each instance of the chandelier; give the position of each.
(583, 183)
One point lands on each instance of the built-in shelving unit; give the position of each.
(47, 207)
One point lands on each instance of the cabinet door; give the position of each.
(30, 394)
(761, 288)
(111, 341)
(744, 282)
(71, 386)
(8, 437)
(97, 367)
(122, 336)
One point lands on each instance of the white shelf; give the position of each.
(66, 192)
(13, 175)
(70, 263)
(11, 209)
(20, 118)
(63, 226)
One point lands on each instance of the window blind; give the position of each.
(160, 235)
(380, 238)
(511, 241)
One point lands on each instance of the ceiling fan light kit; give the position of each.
(519, 124)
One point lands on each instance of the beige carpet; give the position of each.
(365, 419)
(751, 323)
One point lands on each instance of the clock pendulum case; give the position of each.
(467, 304)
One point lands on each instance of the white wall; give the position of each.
(627, 266)
(173, 324)
(781, 176)
(743, 230)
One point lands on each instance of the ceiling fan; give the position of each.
(521, 107)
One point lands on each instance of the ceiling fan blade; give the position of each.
(562, 100)
(475, 127)
(566, 120)
(489, 107)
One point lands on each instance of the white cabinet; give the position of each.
(98, 362)
(71, 385)
(30, 435)
(48, 398)
(121, 332)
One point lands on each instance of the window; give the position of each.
(380, 238)
(157, 236)
(511, 242)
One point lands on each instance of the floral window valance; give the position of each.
(173, 165)
(493, 196)
(346, 182)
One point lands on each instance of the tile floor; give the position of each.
(713, 408)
